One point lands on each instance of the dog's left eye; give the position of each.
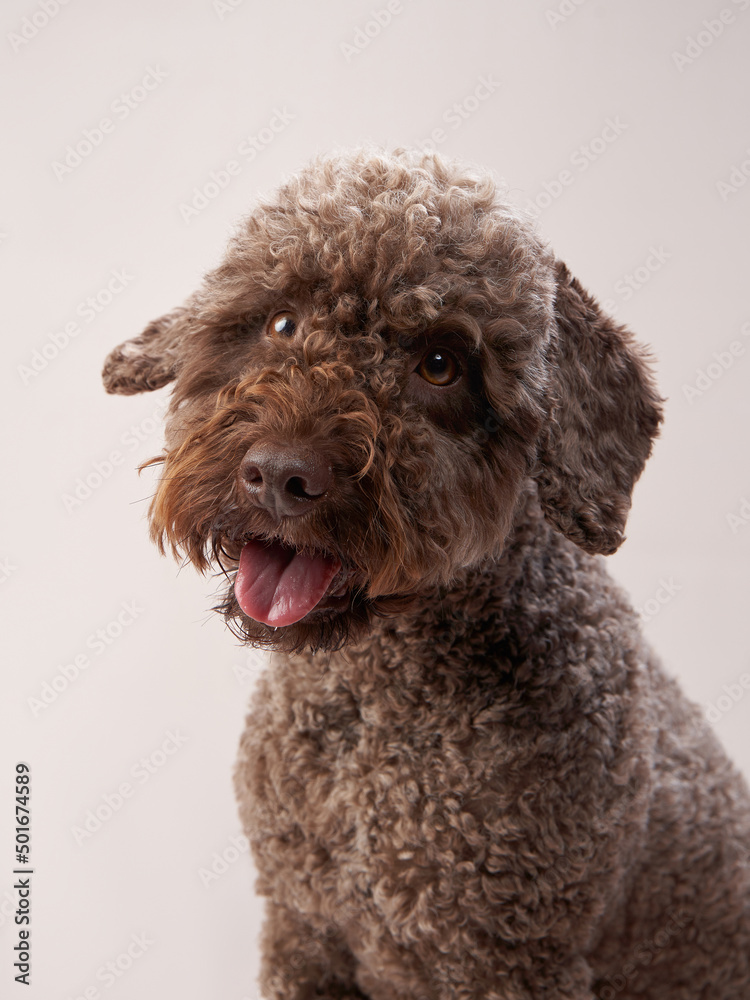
(283, 324)
(439, 368)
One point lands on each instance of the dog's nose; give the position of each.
(285, 480)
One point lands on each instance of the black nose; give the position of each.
(285, 479)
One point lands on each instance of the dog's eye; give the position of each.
(283, 324)
(439, 368)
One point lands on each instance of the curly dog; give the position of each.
(407, 435)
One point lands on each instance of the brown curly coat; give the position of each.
(474, 780)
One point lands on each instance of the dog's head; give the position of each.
(363, 387)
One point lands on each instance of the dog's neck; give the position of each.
(488, 596)
(490, 627)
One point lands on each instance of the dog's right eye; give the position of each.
(283, 324)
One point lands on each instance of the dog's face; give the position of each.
(363, 387)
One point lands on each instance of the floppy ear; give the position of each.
(150, 360)
(603, 414)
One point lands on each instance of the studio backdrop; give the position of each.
(135, 135)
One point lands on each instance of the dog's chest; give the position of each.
(392, 797)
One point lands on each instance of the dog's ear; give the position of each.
(603, 413)
(150, 360)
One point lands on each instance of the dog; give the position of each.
(407, 436)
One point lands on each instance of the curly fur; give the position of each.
(474, 780)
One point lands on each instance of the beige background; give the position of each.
(645, 203)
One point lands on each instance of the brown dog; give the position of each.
(408, 432)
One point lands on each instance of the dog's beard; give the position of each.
(413, 572)
(332, 623)
(324, 627)
(319, 630)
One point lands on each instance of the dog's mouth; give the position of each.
(278, 585)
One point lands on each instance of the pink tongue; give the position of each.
(279, 586)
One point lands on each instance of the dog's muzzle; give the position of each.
(277, 584)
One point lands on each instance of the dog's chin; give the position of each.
(334, 622)
(264, 592)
